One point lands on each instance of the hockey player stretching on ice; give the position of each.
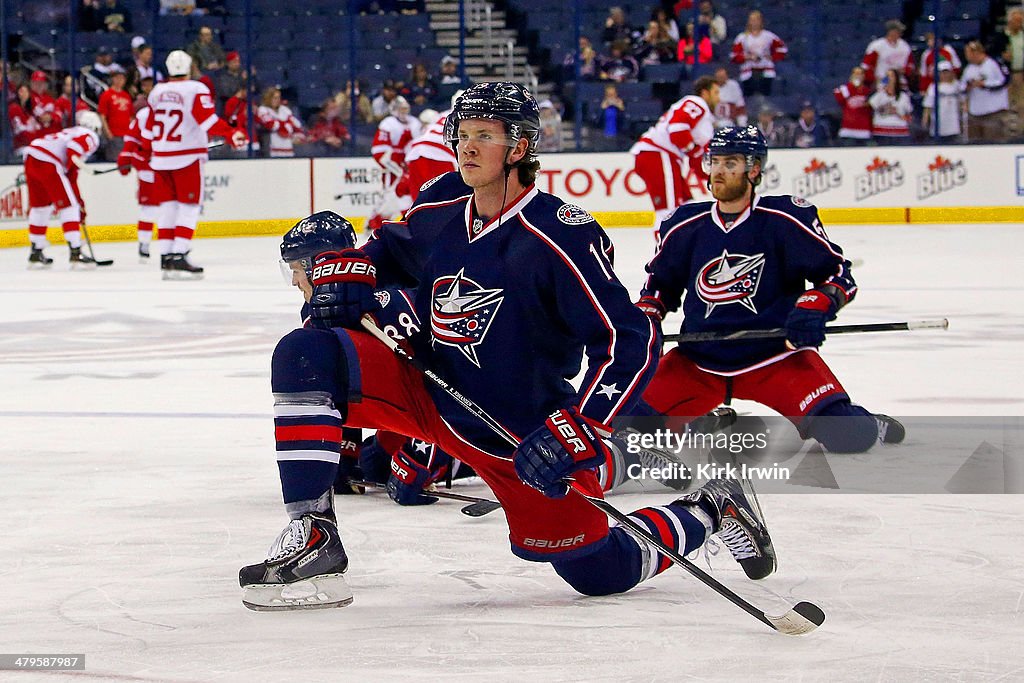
(517, 290)
(744, 262)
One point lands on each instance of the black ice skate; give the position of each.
(177, 267)
(737, 521)
(37, 259)
(658, 464)
(143, 253)
(889, 429)
(80, 261)
(303, 569)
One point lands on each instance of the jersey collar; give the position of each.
(716, 215)
(476, 228)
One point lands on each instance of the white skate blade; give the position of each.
(181, 275)
(318, 592)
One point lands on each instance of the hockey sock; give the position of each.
(185, 227)
(843, 427)
(37, 236)
(145, 232)
(682, 527)
(72, 234)
(615, 567)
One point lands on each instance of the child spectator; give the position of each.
(951, 98)
(809, 131)
(852, 96)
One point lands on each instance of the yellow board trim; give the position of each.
(609, 219)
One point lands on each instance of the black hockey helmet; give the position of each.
(749, 142)
(320, 232)
(505, 101)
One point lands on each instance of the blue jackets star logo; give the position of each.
(461, 313)
(730, 279)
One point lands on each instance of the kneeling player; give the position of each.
(744, 261)
(517, 290)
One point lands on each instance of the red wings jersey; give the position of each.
(43, 104)
(683, 131)
(282, 125)
(183, 112)
(927, 68)
(732, 108)
(24, 126)
(758, 53)
(135, 146)
(431, 144)
(881, 55)
(58, 148)
(856, 110)
(396, 137)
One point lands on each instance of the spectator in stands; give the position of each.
(1009, 45)
(142, 94)
(611, 113)
(927, 63)
(280, 126)
(327, 128)
(44, 107)
(712, 24)
(656, 46)
(24, 126)
(809, 131)
(87, 16)
(951, 100)
(775, 128)
(236, 113)
(104, 64)
(63, 103)
(855, 128)
(889, 52)
(143, 68)
(986, 81)
(617, 28)
(590, 62)
(382, 102)
(689, 53)
(550, 128)
(891, 107)
(232, 77)
(205, 52)
(421, 89)
(113, 16)
(180, 7)
(620, 67)
(757, 50)
(731, 109)
(116, 109)
(661, 15)
(364, 108)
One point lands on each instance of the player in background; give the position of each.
(52, 163)
(744, 262)
(183, 117)
(136, 154)
(518, 292)
(390, 145)
(671, 149)
(429, 155)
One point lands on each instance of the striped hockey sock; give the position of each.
(678, 527)
(308, 431)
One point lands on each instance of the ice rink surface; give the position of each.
(137, 475)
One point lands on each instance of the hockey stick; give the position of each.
(88, 242)
(802, 618)
(212, 145)
(780, 332)
(478, 506)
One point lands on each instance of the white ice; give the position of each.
(137, 475)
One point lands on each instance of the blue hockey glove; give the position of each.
(343, 284)
(805, 325)
(566, 443)
(414, 467)
(374, 461)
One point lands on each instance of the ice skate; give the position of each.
(737, 522)
(143, 253)
(658, 464)
(177, 267)
(303, 569)
(890, 430)
(37, 260)
(80, 261)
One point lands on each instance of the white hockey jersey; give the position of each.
(58, 148)
(282, 125)
(683, 131)
(431, 144)
(183, 114)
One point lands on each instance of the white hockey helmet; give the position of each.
(399, 107)
(428, 116)
(89, 119)
(179, 64)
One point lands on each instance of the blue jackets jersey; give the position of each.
(744, 276)
(509, 310)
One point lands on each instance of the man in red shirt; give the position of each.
(115, 109)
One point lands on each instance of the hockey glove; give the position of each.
(348, 466)
(805, 325)
(566, 443)
(343, 284)
(652, 307)
(414, 468)
(124, 163)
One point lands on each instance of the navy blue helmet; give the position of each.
(748, 142)
(504, 101)
(323, 231)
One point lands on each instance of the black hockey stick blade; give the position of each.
(105, 262)
(481, 508)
